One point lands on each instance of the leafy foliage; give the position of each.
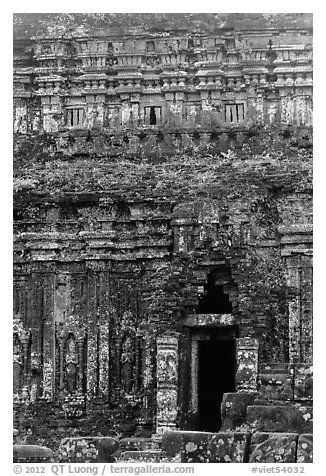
(261, 163)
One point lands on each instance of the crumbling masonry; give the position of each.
(162, 224)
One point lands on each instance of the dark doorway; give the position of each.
(216, 376)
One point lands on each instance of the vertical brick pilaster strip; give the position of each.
(306, 311)
(104, 337)
(137, 362)
(148, 343)
(48, 338)
(294, 312)
(194, 375)
(92, 336)
(80, 345)
(104, 350)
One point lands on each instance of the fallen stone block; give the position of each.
(88, 449)
(305, 449)
(186, 446)
(274, 418)
(275, 386)
(31, 454)
(303, 382)
(234, 409)
(229, 447)
(274, 368)
(273, 448)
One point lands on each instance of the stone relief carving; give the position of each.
(126, 352)
(70, 335)
(21, 340)
(167, 382)
(247, 361)
(127, 364)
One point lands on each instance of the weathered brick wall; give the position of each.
(99, 259)
(118, 222)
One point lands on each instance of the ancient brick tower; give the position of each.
(162, 220)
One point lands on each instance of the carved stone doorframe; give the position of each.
(210, 328)
(197, 322)
(167, 381)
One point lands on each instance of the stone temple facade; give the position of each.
(162, 224)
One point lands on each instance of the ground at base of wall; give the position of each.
(177, 446)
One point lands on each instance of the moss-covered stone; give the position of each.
(138, 443)
(144, 456)
(303, 382)
(276, 386)
(305, 449)
(187, 446)
(87, 449)
(273, 448)
(31, 454)
(280, 418)
(234, 409)
(229, 447)
(143, 165)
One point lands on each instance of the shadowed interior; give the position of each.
(216, 376)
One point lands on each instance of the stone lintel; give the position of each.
(198, 320)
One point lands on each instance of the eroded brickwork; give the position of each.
(151, 167)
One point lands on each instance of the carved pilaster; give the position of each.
(167, 382)
(148, 375)
(21, 355)
(247, 364)
(104, 382)
(137, 363)
(48, 339)
(80, 345)
(194, 375)
(296, 248)
(61, 357)
(92, 337)
(117, 342)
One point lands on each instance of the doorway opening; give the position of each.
(216, 376)
(214, 300)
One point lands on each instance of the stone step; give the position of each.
(280, 418)
(276, 386)
(204, 447)
(186, 446)
(274, 376)
(271, 402)
(274, 368)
